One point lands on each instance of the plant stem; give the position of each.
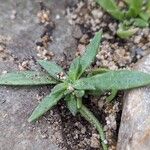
(113, 95)
(88, 115)
(79, 103)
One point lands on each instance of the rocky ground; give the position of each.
(59, 31)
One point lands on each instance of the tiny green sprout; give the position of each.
(78, 81)
(135, 14)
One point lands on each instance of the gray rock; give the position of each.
(63, 42)
(17, 104)
(15, 132)
(134, 132)
(22, 43)
(24, 30)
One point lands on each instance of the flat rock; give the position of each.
(19, 36)
(23, 30)
(134, 132)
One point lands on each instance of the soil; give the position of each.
(61, 32)
(115, 53)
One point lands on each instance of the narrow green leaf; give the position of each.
(26, 78)
(52, 68)
(75, 69)
(111, 7)
(79, 103)
(127, 2)
(135, 7)
(112, 95)
(72, 104)
(140, 23)
(48, 102)
(81, 63)
(148, 7)
(88, 115)
(119, 80)
(145, 16)
(126, 33)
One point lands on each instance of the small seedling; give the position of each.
(78, 81)
(135, 14)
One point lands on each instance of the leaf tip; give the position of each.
(39, 61)
(99, 33)
(32, 118)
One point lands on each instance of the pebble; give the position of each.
(81, 49)
(76, 33)
(111, 121)
(100, 104)
(43, 16)
(83, 130)
(95, 141)
(57, 17)
(137, 39)
(2, 48)
(84, 39)
(4, 72)
(97, 13)
(13, 15)
(24, 65)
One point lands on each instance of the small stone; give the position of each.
(74, 16)
(81, 49)
(46, 15)
(44, 136)
(4, 72)
(13, 15)
(112, 27)
(83, 130)
(137, 39)
(97, 13)
(84, 39)
(43, 16)
(107, 36)
(24, 65)
(105, 141)
(95, 141)
(1, 48)
(100, 104)
(57, 17)
(76, 33)
(111, 121)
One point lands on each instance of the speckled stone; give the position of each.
(134, 132)
(17, 104)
